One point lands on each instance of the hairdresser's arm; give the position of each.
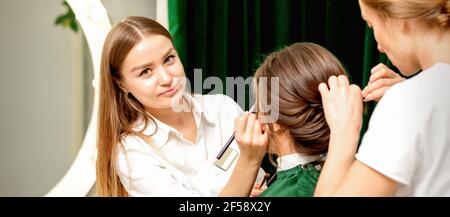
(361, 180)
(381, 79)
(253, 144)
(342, 174)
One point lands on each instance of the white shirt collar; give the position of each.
(198, 106)
(292, 160)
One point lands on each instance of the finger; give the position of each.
(357, 93)
(343, 81)
(263, 188)
(250, 125)
(238, 127)
(377, 67)
(380, 83)
(356, 90)
(260, 136)
(264, 139)
(333, 82)
(256, 192)
(357, 104)
(376, 95)
(241, 123)
(257, 131)
(383, 73)
(324, 92)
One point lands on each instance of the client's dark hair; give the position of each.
(300, 68)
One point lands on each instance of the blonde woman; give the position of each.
(406, 149)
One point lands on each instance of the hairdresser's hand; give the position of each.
(381, 79)
(342, 104)
(251, 138)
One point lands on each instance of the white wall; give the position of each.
(119, 9)
(41, 97)
(44, 77)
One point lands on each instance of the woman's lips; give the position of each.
(169, 93)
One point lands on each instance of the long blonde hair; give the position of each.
(433, 12)
(118, 111)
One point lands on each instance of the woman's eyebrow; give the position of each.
(145, 65)
(168, 52)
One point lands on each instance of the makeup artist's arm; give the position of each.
(253, 143)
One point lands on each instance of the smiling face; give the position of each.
(153, 73)
(393, 39)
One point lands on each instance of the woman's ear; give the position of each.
(124, 89)
(277, 128)
(121, 86)
(406, 26)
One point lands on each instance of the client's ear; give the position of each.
(277, 128)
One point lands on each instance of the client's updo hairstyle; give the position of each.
(300, 68)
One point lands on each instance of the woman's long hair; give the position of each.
(118, 111)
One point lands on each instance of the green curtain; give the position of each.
(229, 38)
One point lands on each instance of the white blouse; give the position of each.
(174, 166)
(408, 139)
